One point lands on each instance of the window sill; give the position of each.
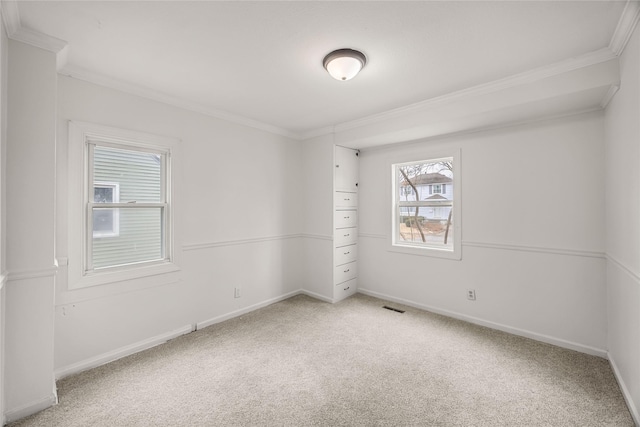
(427, 252)
(132, 273)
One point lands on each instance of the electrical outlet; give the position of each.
(236, 293)
(471, 294)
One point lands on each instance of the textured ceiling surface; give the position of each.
(263, 60)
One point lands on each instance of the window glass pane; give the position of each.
(430, 227)
(139, 238)
(103, 194)
(138, 175)
(424, 208)
(104, 223)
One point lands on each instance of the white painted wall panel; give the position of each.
(30, 212)
(318, 164)
(31, 148)
(4, 50)
(623, 295)
(622, 202)
(532, 231)
(318, 186)
(240, 216)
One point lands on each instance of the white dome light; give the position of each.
(344, 64)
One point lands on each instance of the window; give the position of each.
(121, 194)
(138, 212)
(406, 190)
(426, 217)
(106, 222)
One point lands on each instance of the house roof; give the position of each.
(436, 197)
(429, 178)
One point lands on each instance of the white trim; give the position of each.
(31, 408)
(522, 248)
(15, 30)
(635, 276)
(31, 274)
(79, 135)
(316, 236)
(423, 249)
(144, 92)
(115, 215)
(489, 128)
(528, 77)
(613, 89)
(327, 130)
(120, 136)
(10, 16)
(128, 350)
(541, 249)
(124, 273)
(317, 296)
(625, 391)
(493, 325)
(626, 25)
(3, 280)
(39, 40)
(210, 245)
(372, 236)
(245, 310)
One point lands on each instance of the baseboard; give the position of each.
(159, 339)
(633, 409)
(316, 296)
(120, 353)
(246, 310)
(30, 408)
(493, 325)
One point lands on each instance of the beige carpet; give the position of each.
(302, 362)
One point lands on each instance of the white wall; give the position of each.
(3, 144)
(318, 216)
(532, 232)
(622, 203)
(255, 212)
(239, 221)
(30, 213)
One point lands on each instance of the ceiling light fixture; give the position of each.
(344, 64)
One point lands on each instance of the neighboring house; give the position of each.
(122, 236)
(435, 188)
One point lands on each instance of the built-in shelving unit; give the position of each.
(345, 223)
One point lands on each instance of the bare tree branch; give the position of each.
(404, 174)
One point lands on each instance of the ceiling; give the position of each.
(262, 61)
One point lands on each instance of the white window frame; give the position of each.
(115, 230)
(82, 137)
(164, 204)
(394, 245)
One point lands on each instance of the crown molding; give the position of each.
(40, 40)
(613, 89)
(10, 16)
(493, 127)
(528, 77)
(134, 89)
(626, 25)
(316, 132)
(15, 30)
